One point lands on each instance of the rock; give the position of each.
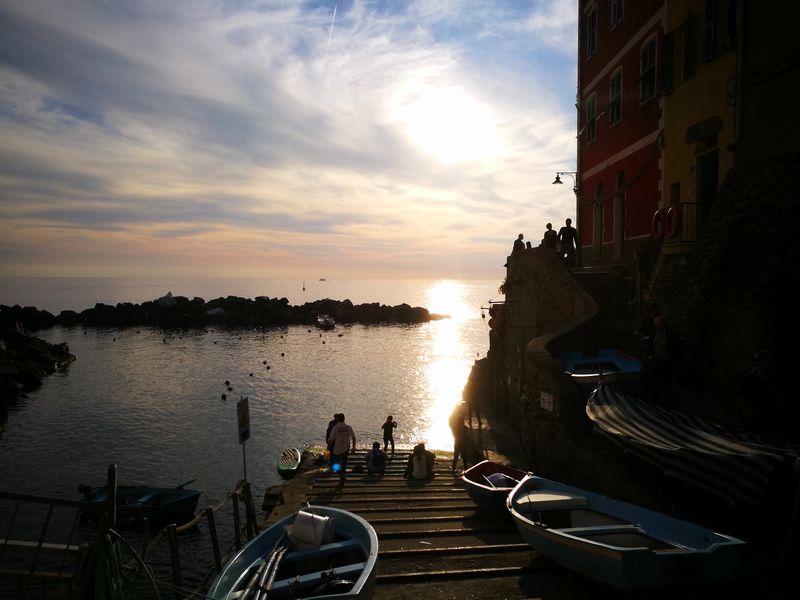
(26, 360)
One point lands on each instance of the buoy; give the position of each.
(673, 220)
(657, 226)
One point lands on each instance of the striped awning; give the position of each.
(735, 465)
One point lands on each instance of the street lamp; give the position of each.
(557, 180)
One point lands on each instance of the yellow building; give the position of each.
(699, 111)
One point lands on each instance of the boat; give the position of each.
(317, 552)
(488, 484)
(289, 463)
(733, 465)
(618, 543)
(602, 365)
(140, 504)
(326, 322)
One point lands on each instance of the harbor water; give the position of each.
(156, 403)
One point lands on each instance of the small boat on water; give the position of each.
(289, 463)
(326, 322)
(159, 506)
(488, 483)
(318, 552)
(618, 543)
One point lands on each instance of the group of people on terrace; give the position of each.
(564, 242)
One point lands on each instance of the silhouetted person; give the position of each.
(376, 460)
(568, 243)
(662, 356)
(339, 440)
(550, 238)
(388, 433)
(759, 396)
(420, 463)
(461, 438)
(519, 245)
(331, 423)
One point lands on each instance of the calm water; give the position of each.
(152, 402)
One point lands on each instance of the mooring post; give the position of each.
(237, 521)
(111, 491)
(250, 510)
(212, 528)
(172, 530)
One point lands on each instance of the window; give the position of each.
(615, 98)
(591, 31)
(689, 48)
(710, 30)
(616, 13)
(591, 118)
(667, 62)
(647, 84)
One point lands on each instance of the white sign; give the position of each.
(546, 401)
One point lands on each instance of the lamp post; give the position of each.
(557, 181)
(573, 174)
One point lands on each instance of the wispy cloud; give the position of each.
(271, 136)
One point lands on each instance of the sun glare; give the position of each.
(451, 126)
(447, 370)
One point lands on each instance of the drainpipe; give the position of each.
(738, 83)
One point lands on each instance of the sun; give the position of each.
(450, 126)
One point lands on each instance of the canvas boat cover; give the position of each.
(733, 464)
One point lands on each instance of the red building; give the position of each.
(621, 119)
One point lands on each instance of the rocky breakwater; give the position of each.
(176, 312)
(25, 361)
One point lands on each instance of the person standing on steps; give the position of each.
(461, 438)
(388, 433)
(331, 424)
(568, 243)
(340, 437)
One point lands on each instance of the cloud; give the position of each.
(428, 131)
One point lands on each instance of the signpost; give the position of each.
(243, 413)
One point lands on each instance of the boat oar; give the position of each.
(264, 587)
(263, 568)
(181, 486)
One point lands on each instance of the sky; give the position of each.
(282, 139)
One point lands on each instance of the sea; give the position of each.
(161, 405)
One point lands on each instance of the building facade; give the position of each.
(658, 122)
(620, 127)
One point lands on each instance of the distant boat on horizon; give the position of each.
(322, 279)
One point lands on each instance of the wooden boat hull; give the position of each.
(619, 543)
(158, 506)
(289, 462)
(488, 484)
(353, 556)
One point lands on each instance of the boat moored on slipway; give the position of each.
(318, 552)
(618, 543)
(488, 484)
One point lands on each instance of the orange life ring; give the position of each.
(673, 220)
(657, 226)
